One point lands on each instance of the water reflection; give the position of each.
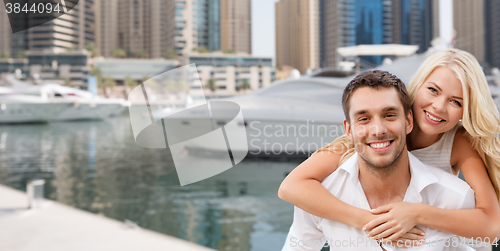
(96, 166)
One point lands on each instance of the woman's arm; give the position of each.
(302, 187)
(483, 221)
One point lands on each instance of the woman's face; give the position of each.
(438, 103)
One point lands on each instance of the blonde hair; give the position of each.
(483, 128)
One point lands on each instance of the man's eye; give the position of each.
(362, 119)
(390, 115)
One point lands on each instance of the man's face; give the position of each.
(378, 125)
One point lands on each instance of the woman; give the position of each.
(456, 127)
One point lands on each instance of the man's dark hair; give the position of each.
(375, 79)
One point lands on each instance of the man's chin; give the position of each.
(380, 163)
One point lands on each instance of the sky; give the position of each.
(263, 28)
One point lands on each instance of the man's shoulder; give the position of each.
(442, 189)
(341, 175)
(448, 180)
(441, 177)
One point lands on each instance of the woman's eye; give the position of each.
(432, 90)
(456, 103)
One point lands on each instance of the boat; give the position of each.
(289, 118)
(19, 108)
(86, 105)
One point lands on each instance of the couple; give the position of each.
(370, 167)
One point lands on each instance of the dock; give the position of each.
(56, 227)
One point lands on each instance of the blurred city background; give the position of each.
(64, 89)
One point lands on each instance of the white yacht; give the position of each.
(291, 117)
(19, 108)
(86, 107)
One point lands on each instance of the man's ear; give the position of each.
(347, 129)
(409, 122)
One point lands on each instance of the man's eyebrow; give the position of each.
(390, 108)
(437, 86)
(360, 112)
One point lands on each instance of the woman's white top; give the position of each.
(439, 153)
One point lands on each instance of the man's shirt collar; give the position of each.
(421, 176)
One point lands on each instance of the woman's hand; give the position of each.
(410, 239)
(394, 221)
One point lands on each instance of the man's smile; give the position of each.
(381, 146)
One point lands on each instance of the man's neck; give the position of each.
(387, 185)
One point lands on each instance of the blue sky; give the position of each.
(263, 28)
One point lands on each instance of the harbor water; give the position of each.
(96, 166)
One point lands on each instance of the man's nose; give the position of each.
(378, 128)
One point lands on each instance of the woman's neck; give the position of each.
(417, 139)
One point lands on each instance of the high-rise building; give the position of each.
(185, 28)
(5, 33)
(72, 31)
(145, 28)
(206, 15)
(353, 22)
(106, 23)
(337, 29)
(468, 21)
(297, 34)
(212, 25)
(469, 24)
(416, 23)
(492, 35)
(236, 25)
(374, 25)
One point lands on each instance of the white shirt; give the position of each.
(428, 185)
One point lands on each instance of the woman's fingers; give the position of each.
(413, 237)
(417, 231)
(381, 209)
(386, 234)
(372, 224)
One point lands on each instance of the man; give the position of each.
(378, 118)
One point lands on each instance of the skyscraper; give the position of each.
(297, 34)
(337, 29)
(106, 23)
(374, 25)
(72, 31)
(197, 26)
(416, 23)
(353, 22)
(206, 14)
(145, 28)
(469, 24)
(5, 33)
(468, 21)
(236, 25)
(185, 28)
(492, 35)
